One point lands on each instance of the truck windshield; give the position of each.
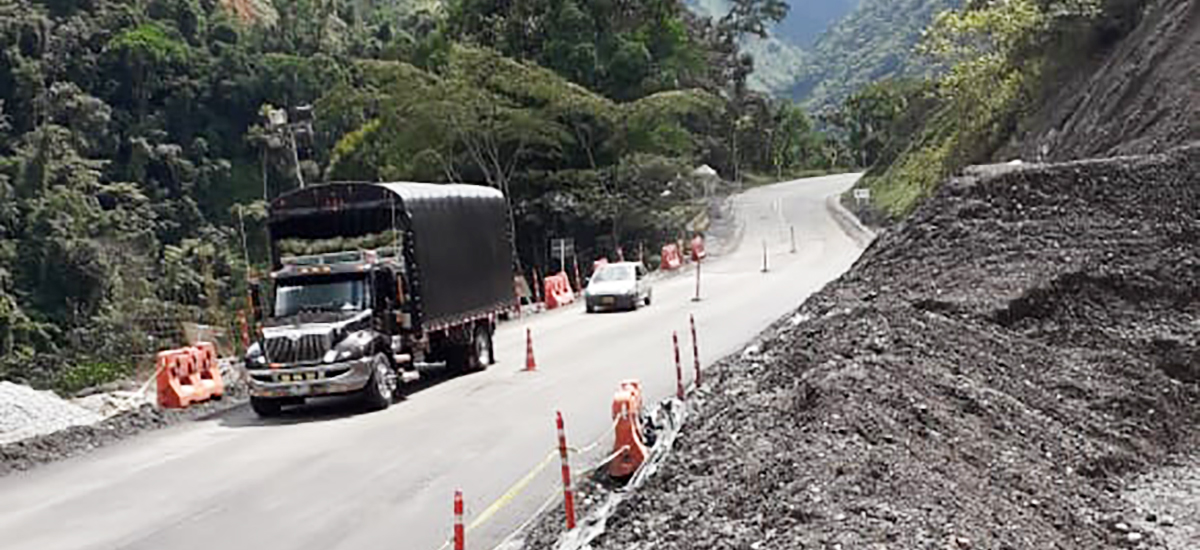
(344, 295)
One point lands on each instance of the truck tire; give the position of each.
(479, 352)
(491, 346)
(484, 352)
(265, 407)
(379, 390)
(475, 355)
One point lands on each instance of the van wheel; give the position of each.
(382, 386)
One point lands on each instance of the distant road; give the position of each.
(328, 477)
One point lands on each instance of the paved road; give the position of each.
(330, 478)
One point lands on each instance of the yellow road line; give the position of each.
(512, 492)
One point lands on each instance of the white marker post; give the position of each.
(764, 247)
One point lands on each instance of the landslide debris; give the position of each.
(986, 376)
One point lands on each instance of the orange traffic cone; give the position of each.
(530, 363)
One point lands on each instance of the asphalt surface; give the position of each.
(329, 476)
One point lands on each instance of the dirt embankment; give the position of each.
(988, 375)
(76, 440)
(1143, 98)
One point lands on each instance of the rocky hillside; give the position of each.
(998, 369)
(987, 375)
(1142, 97)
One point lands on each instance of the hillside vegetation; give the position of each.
(137, 151)
(1044, 80)
(872, 43)
(822, 53)
(779, 59)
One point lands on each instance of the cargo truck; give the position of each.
(371, 283)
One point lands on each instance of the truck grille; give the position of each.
(309, 348)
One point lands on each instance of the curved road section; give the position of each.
(328, 477)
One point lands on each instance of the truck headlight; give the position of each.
(255, 357)
(338, 355)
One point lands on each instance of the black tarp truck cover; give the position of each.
(456, 242)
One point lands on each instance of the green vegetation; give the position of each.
(874, 42)
(140, 141)
(997, 62)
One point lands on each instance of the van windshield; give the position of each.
(614, 273)
(312, 296)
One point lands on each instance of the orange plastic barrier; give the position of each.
(188, 375)
(698, 252)
(208, 369)
(626, 406)
(671, 258)
(174, 374)
(558, 291)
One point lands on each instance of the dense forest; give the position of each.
(140, 140)
(823, 52)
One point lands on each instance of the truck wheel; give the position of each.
(381, 386)
(481, 352)
(265, 407)
(472, 356)
(491, 348)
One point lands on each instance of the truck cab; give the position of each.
(332, 329)
(371, 283)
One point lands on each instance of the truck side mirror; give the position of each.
(384, 283)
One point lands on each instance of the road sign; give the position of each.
(561, 248)
(862, 195)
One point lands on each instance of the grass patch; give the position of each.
(89, 374)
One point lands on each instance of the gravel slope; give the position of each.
(988, 375)
(26, 412)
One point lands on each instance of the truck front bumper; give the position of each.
(311, 380)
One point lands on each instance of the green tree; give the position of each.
(144, 58)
